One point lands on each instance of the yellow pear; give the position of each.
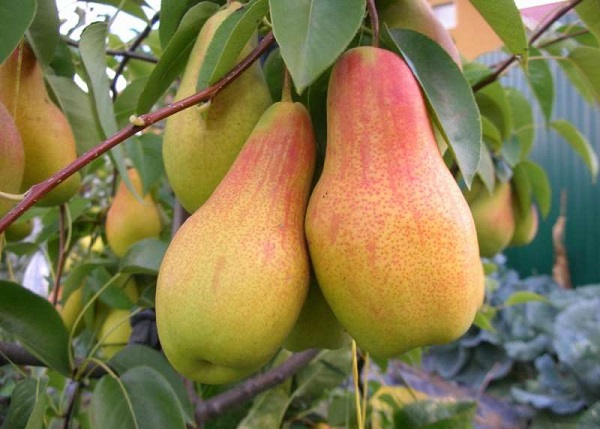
(201, 143)
(12, 159)
(47, 136)
(129, 220)
(234, 278)
(493, 215)
(390, 235)
(417, 15)
(526, 225)
(72, 308)
(316, 326)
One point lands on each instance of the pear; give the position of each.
(19, 230)
(493, 215)
(12, 159)
(390, 235)
(526, 225)
(417, 15)
(130, 220)
(47, 136)
(114, 333)
(316, 326)
(234, 278)
(69, 312)
(201, 143)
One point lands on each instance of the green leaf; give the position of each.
(109, 406)
(484, 317)
(436, 414)
(541, 82)
(132, 7)
(539, 185)
(475, 72)
(175, 55)
(511, 151)
(307, 36)
(587, 61)
(36, 324)
(574, 74)
(62, 62)
(579, 143)
(43, 32)
(326, 371)
(491, 134)
(273, 70)
(505, 19)
(171, 13)
(15, 18)
(522, 297)
(493, 104)
(229, 40)
(136, 355)
(445, 88)
(127, 101)
(28, 404)
(487, 172)
(145, 152)
(589, 12)
(523, 121)
(144, 257)
(76, 105)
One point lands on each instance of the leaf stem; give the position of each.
(62, 253)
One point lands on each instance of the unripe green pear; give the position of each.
(201, 143)
(12, 159)
(19, 230)
(46, 134)
(390, 235)
(417, 15)
(493, 216)
(114, 333)
(316, 326)
(526, 225)
(233, 280)
(129, 220)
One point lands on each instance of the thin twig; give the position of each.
(136, 43)
(560, 12)
(71, 408)
(563, 37)
(62, 253)
(374, 21)
(39, 190)
(116, 53)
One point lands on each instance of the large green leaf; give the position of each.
(539, 185)
(28, 404)
(587, 61)
(493, 104)
(541, 82)
(171, 13)
(312, 34)
(36, 324)
(523, 120)
(136, 355)
(111, 406)
(43, 32)
(175, 55)
(505, 19)
(144, 257)
(15, 18)
(229, 41)
(445, 88)
(574, 74)
(579, 143)
(589, 12)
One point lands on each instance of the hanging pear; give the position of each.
(201, 143)
(390, 235)
(46, 134)
(526, 225)
(129, 220)
(234, 278)
(12, 159)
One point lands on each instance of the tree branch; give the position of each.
(563, 37)
(253, 386)
(115, 53)
(40, 189)
(62, 253)
(555, 16)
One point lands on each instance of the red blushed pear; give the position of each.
(234, 278)
(390, 235)
(12, 159)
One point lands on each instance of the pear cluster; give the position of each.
(383, 249)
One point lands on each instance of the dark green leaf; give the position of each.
(28, 404)
(127, 101)
(541, 82)
(491, 134)
(144, 257)
(229, 40)
(493, 104)
(522, 297)
(175, 55)
(110, 407)
(445, 88)
(589, 12)
(521, 187)
(136, 355)
(273, 71)
(505, 19)
(587, 61)
(15, 18)
(523, 121)
(43, 33)
(486, 169)
(62, 63)
(579, 143)
(171, 13)
(36, 324)
(475, 72)
(539, 184)
(307, 36)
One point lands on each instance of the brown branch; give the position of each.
(555, 16)
(252, 387)
(563, 37)
(62, 253)
(374, 21)
(72, 402)
(40, 189)
(116, 53)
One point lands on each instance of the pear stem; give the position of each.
(11, 197)
(374, 22)
(286, 90)
(39, 190)
(355, 378)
